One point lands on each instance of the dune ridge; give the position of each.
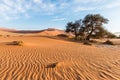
(44, 32)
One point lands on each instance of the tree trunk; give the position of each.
(76, 35)
(89, 35)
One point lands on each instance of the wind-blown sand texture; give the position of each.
(42, 58)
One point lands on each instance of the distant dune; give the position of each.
(7, 32)
(45, 32)
(52, 32)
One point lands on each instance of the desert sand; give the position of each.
(43, 58)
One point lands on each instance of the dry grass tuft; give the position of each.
(19, 43)
(55, 65)
(1, 35)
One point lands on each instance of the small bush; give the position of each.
(109, 42)
(93, 41)
(7, 35)
(62, 35)
(87, 43)
(1, 35)
(55, 65)
(19, 43)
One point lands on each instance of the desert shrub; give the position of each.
(7, 35)
(108, 42)
(111, 35)
(118, 37)
(62, 35)
(19, 43)
(93, 41)
(0, 35)
(55, 65)
(87, 43)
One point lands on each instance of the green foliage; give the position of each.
(92, 22)
(100, 32)
(74, 28)
(111, 35)
(90, 26)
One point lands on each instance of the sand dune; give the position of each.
(45, 32)
(5, 33)
(52, 32)
(48, 59)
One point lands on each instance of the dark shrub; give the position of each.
(87, 43)
(108, 42)
(62, 35)
(19, 43)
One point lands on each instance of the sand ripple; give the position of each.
(58, 61)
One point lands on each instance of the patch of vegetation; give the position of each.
(93, 41)
(108, 42)
(87, 43)
(55, 65)
(7, 35)
(62, 35)
(92, 24)
(1, 35)
(19, 43)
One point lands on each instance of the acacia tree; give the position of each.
(91, 22)
(74, 27)
(100, 32)
(110, 35)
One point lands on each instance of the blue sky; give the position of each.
(41, 14)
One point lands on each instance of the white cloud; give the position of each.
(87, 1)
(13, 9)
(78, 9)
(58, 19)
(38, 1)
(49, 7)
(90, 5)
(113, 4)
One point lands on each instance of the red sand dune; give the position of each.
(45, 32)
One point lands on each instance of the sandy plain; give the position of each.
(43, 58)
